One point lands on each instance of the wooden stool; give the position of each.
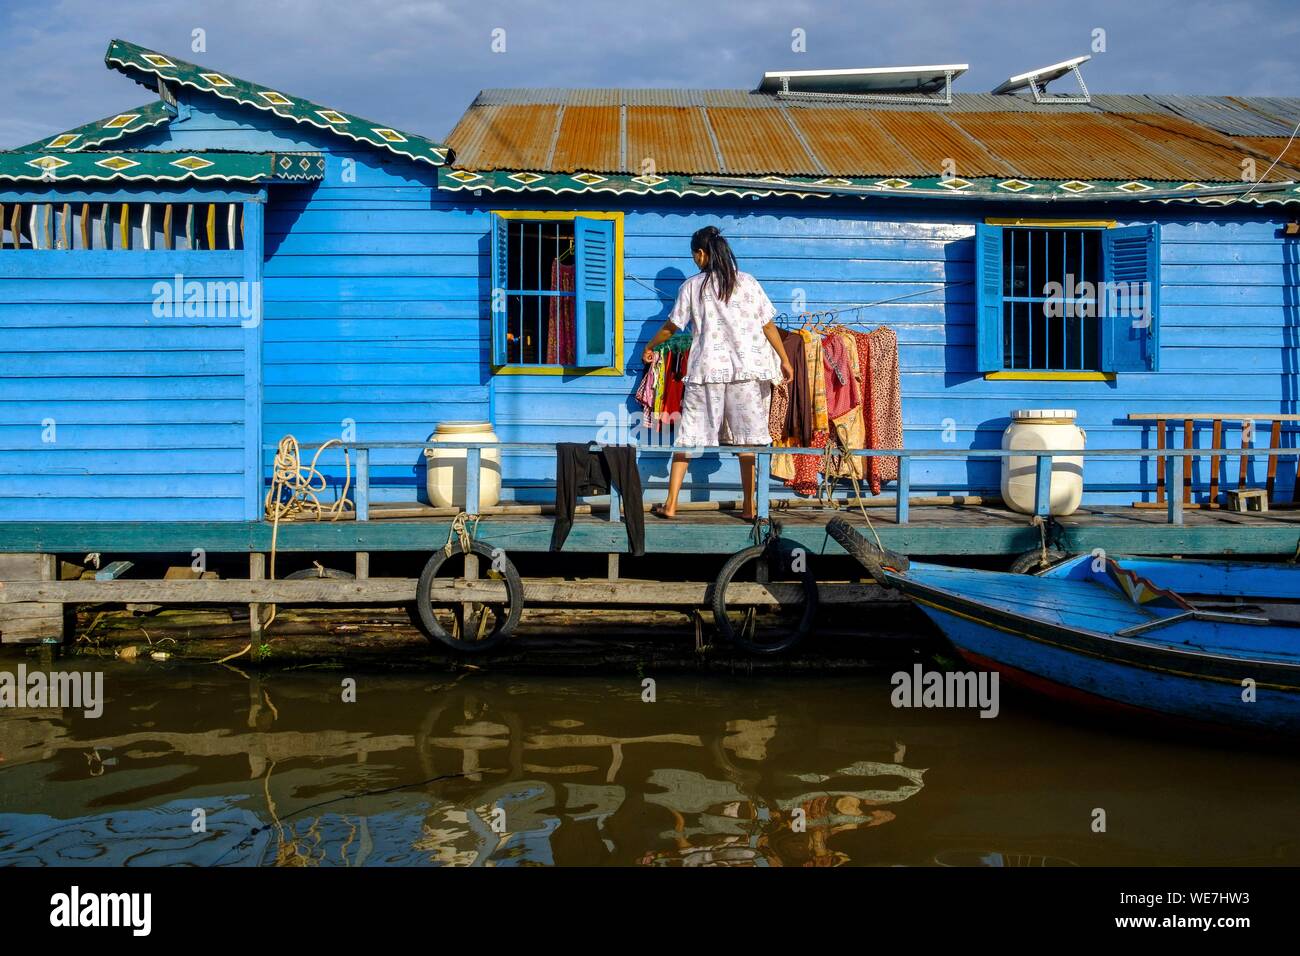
(1247, 499)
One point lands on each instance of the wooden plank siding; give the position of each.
(108, 411)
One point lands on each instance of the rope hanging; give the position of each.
(295, 492)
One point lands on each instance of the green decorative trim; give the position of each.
(991, 189)
(137, 62)
(160, 166)
(105, 130)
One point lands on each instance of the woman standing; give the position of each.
(735, 357)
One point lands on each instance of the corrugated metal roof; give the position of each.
(588, 138)
(1222, 114)
(1284, 109)
(741, 132)
(758, 141)
(671, 139)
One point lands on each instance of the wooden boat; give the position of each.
(1212, 643)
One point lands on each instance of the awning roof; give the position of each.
(142, 64)
(152, 166)
(105, 130)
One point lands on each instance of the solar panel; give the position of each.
(863, 81)
(1037, 80)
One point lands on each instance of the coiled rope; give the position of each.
(459, 533)
(295, 492)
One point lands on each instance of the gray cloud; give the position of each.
(418, 64)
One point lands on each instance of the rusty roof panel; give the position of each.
(741, 133)
(1195, 152)
(1095, 146)
(1272, 147)
(759, 141)
(588, 140)
(504, 137)
(853, 143)
(935, 143)
(674, 139)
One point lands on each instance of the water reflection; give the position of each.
(213, 767)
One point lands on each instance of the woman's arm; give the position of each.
(774, 337)
(662, 336)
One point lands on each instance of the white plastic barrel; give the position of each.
(445, 480)
(1049, 428)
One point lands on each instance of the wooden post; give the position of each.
(363, 565)
(29, 622)
(361, 494)
(904, 489)
(1216, 442)
(1160, 462)
(763, 486)
(1189, 441)
(473, 456)
(1043, 486)
(1275, 441)
(256, 572)
(1175, 479)
(615, 514)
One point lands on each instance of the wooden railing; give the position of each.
(1173, 459)
(122, 225)
(1165, 421)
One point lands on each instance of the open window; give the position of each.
(556, 292)
(1067, 300)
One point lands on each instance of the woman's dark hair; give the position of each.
(721, 266)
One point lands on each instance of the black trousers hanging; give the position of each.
(579, 470)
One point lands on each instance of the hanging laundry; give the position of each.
(646, 391)
(806, 468)
(842, 391)
(849, 427)
(582, 470)
(878, 351)
(816, 372)
(561, 332)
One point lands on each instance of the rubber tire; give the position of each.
(499, 633)
(1031, 561)
(719, 605)
(311, 574)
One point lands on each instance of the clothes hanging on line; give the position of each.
(878, 353)
(582, 470)
(664, 381)
(850, 390)
(561, 332)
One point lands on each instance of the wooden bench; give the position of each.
(1163, 421)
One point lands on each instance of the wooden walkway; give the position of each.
(931, 531)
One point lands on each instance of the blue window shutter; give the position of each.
(988, 292)
(594, 251)
(496, 295)
(1130, 305)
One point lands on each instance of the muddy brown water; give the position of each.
(209, 766)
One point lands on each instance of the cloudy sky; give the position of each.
(417, 63)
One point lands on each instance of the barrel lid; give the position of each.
(1044, 414)
(460, 427)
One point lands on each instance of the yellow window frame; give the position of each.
(552, 215)
(1012, 375)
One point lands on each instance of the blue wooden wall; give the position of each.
(376, 304)
(148, 414)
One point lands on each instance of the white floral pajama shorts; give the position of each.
(725, 413)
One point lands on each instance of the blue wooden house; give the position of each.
(184, 283)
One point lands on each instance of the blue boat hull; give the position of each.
(1069, 664)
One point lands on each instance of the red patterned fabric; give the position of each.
(806, 468)
(883, 401)
(561, 333)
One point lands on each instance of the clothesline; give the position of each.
(826, 313)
